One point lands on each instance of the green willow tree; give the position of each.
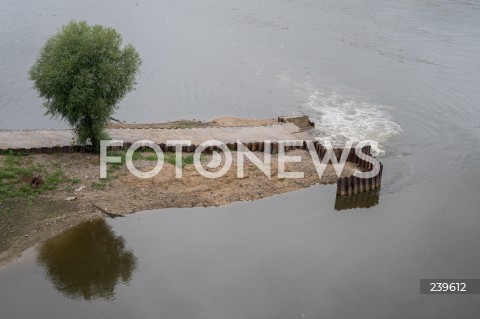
(82, 73)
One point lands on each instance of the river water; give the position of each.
(404, 73)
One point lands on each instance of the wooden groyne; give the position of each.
(352, 185)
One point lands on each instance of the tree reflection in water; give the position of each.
(87, 261)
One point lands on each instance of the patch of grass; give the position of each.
(99, 185)
(16, 178)
(188, 160)
(111, 167)
(148, 155)
(138, 154)
(75, 180)
(186, 124)
(152, 157)
(172, 159)
(53, 180)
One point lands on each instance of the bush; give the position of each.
(82, 73)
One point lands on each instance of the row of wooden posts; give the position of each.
(346, 186)
(352, 185)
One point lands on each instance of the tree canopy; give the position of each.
(82, 73)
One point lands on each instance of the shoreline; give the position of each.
(122, 193)
(24, 224)
(71, 191)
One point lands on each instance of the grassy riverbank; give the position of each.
(32, 187)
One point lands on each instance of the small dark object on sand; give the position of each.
(37, 181)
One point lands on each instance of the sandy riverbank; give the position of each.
(31, 218)
(23, 224)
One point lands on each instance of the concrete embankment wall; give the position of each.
(51, 138)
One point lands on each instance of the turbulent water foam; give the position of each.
(338, 119)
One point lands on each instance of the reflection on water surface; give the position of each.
(87, 261)
(365, 200)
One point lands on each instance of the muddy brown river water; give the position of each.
(404, 73)
(287, 256)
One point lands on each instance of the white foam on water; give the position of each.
(338, 119)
